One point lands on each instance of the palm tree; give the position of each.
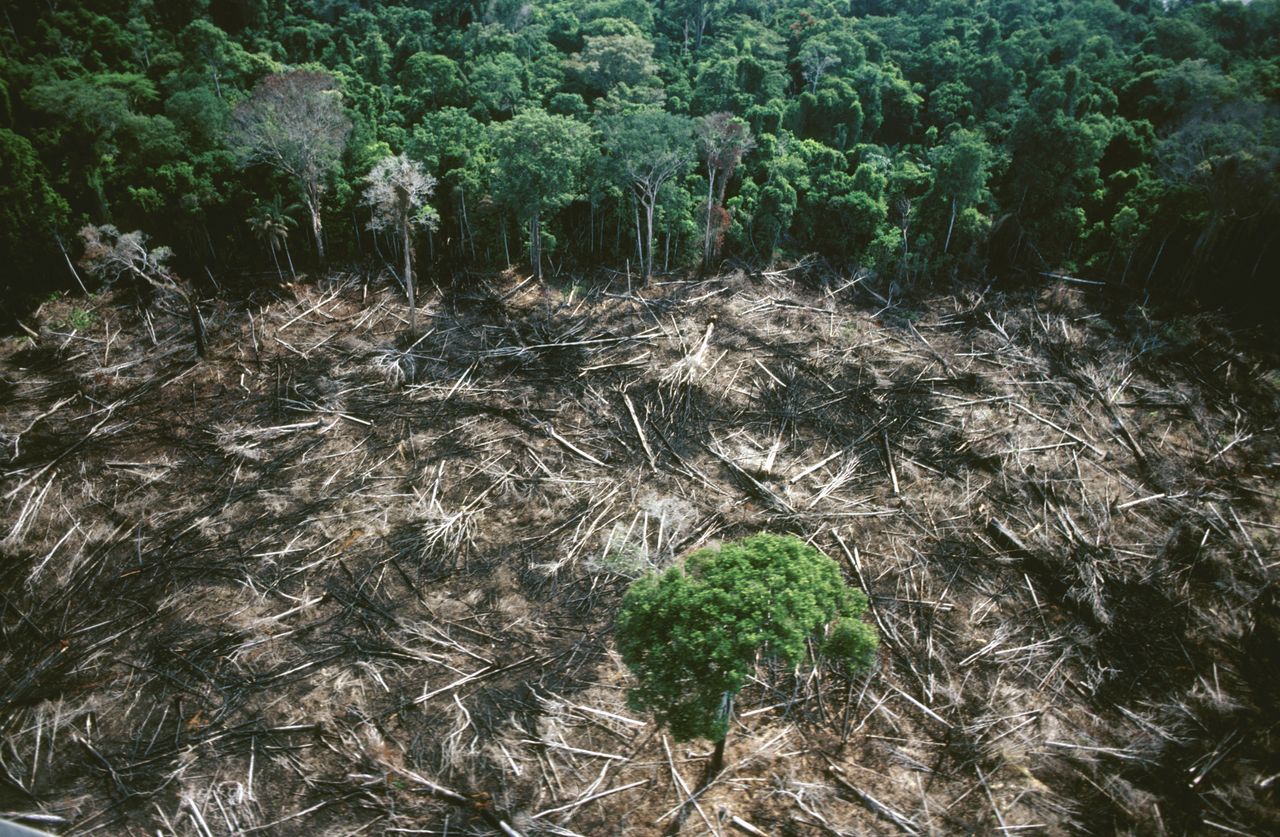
(270, 224)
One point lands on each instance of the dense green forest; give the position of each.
(1134, 142)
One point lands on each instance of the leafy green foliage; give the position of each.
(853, 643)
(539, 160)
(692, 635)
(1133, 141)
(28, 203)
(270, 224)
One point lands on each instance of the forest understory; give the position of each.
(332, 580)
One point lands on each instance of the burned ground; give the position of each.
(334, 580)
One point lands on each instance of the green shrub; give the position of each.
(80, 319)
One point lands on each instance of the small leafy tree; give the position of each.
(692, 635)
(398, 190)
(270, 225)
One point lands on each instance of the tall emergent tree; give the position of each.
(725, 140)
(692, 635)
(295, 123)
(649, 148)
(398, 190)
(698, 15)
(539, 158)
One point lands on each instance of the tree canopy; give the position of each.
(648, 148)
(1134, 143)
(693, 634)
(539, 166)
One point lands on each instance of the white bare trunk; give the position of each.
(950, 226)
(706, 243)
(408, 274)
(648, 240)
(313, 206)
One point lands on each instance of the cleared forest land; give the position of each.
(329, 583)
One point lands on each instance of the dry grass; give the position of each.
(333, 582)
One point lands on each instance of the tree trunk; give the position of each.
(276, 259)
(704, 17)
(1152, 271)
(706, 242)
(408, 273)
(535, 245)
(313, 206)
(466, 223)
(725, 714)
(648, 239)
(906, 223)
(70, 264)
(1125, 276)
(723, 182)
(721, 186)
(950, 226)
(197, 327)
(635, 208)
(289, 258)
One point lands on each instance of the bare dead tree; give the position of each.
(397, 192)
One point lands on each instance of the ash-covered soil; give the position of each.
(336, 581)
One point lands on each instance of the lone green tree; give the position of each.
(692, 635)
(270, 225)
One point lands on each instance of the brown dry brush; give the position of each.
(332, 579)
